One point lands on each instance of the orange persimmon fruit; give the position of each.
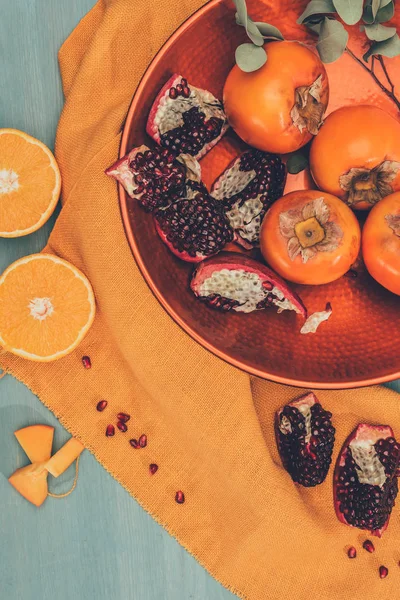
(310, 237)
(381, 242)
(279, 107)
(356, 155)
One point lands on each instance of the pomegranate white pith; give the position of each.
(9, 181)
(303, 405)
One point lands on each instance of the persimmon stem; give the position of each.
(389, 93)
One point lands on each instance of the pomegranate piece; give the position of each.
(246, 189)
(186, 119)
(369, 546)
(383, 572)
(365, 480)
(110, 431)
(154, 178)
(86, 362)
(153, 468)
(135, 444)
(305, 438)
(123, 417)
(180, 497)
(352, 552)
(143, 441)
(122, 426)
(232, 281)
(194, 228)
(102, 405)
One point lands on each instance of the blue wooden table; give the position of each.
(97, 544)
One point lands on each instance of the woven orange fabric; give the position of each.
(209, 426)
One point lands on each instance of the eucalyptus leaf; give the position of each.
(386, 13)
(241, 15)
(332, 40)
(384, 3)
(297, 162)
(315, 27)
(349, 10)
(250, 57)
(253, 33)
(379, 33)
(368, 17)
(376, 4)
(389, 48)
(316, 7)
(269, 31)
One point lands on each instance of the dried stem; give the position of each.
(383, 65)
(389, 93)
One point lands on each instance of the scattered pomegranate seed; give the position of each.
(102, 405)
(122, 426)
(110, 431)
(368, 546)
(143, 441)
(123, 417)
(153, 468)
(383, 572)
(86, 362)
(180, 497)
(352, 552)
(134, 444)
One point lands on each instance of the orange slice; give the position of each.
(30, 183)
(46, 307)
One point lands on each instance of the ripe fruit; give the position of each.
(86, 362)
(369, 546)
(232, 281)
(102, 405)
(63, 458)
(186, 119)
(250, 184)
(356, 155)
(123, 417)
(36, 441)
(31, 483)
(383, 572)
(381, 242)
(143, 441)
(46, 307)
(153, 469)
(155, 178)
(110, 430)
(30, 183)
(195, 228)
(279, 107)
(180, 497)
(310, 237)
(365, 480)
(352, 552)
(305, 438)
(122, 426)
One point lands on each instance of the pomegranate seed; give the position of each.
(122, 426)
(186, 92)
(86, 362)
(180, 497)
(267, 285)
(123, 417)
(102, 405)
(368, 546)
(352, 552)
(143, 441)
(383, 572)
(173, 93)
(110, 431)
(184, 82)
(179, 89)
(153, 468)
(134, 444)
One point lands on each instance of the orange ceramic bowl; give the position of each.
(360, 344)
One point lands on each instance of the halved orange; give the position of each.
(30, 183)
(46, 307)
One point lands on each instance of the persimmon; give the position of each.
(356, 155)
(381, 242)
(279, 107)
(310, 237)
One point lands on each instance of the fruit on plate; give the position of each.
(365, 479)
(232, 281)
(310, 237)
(381, 242)
(30, 183)
(46, 307)
(186, 119)
(194, 227)
(249, 185)
(305, 437)
(36, 441)
(279, 107)
(155, 177)
(356, 155)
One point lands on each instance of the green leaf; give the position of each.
(250, 57)
(253, 33)
(349, 10)
(241, 15)
(386, 13)
(384, 3)
(315, 27)
(332, 40)
(269, 31)
(376, 4)
(316, 7)
(297, 162)
(368, 17)
(379, 33)
(389, 48)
